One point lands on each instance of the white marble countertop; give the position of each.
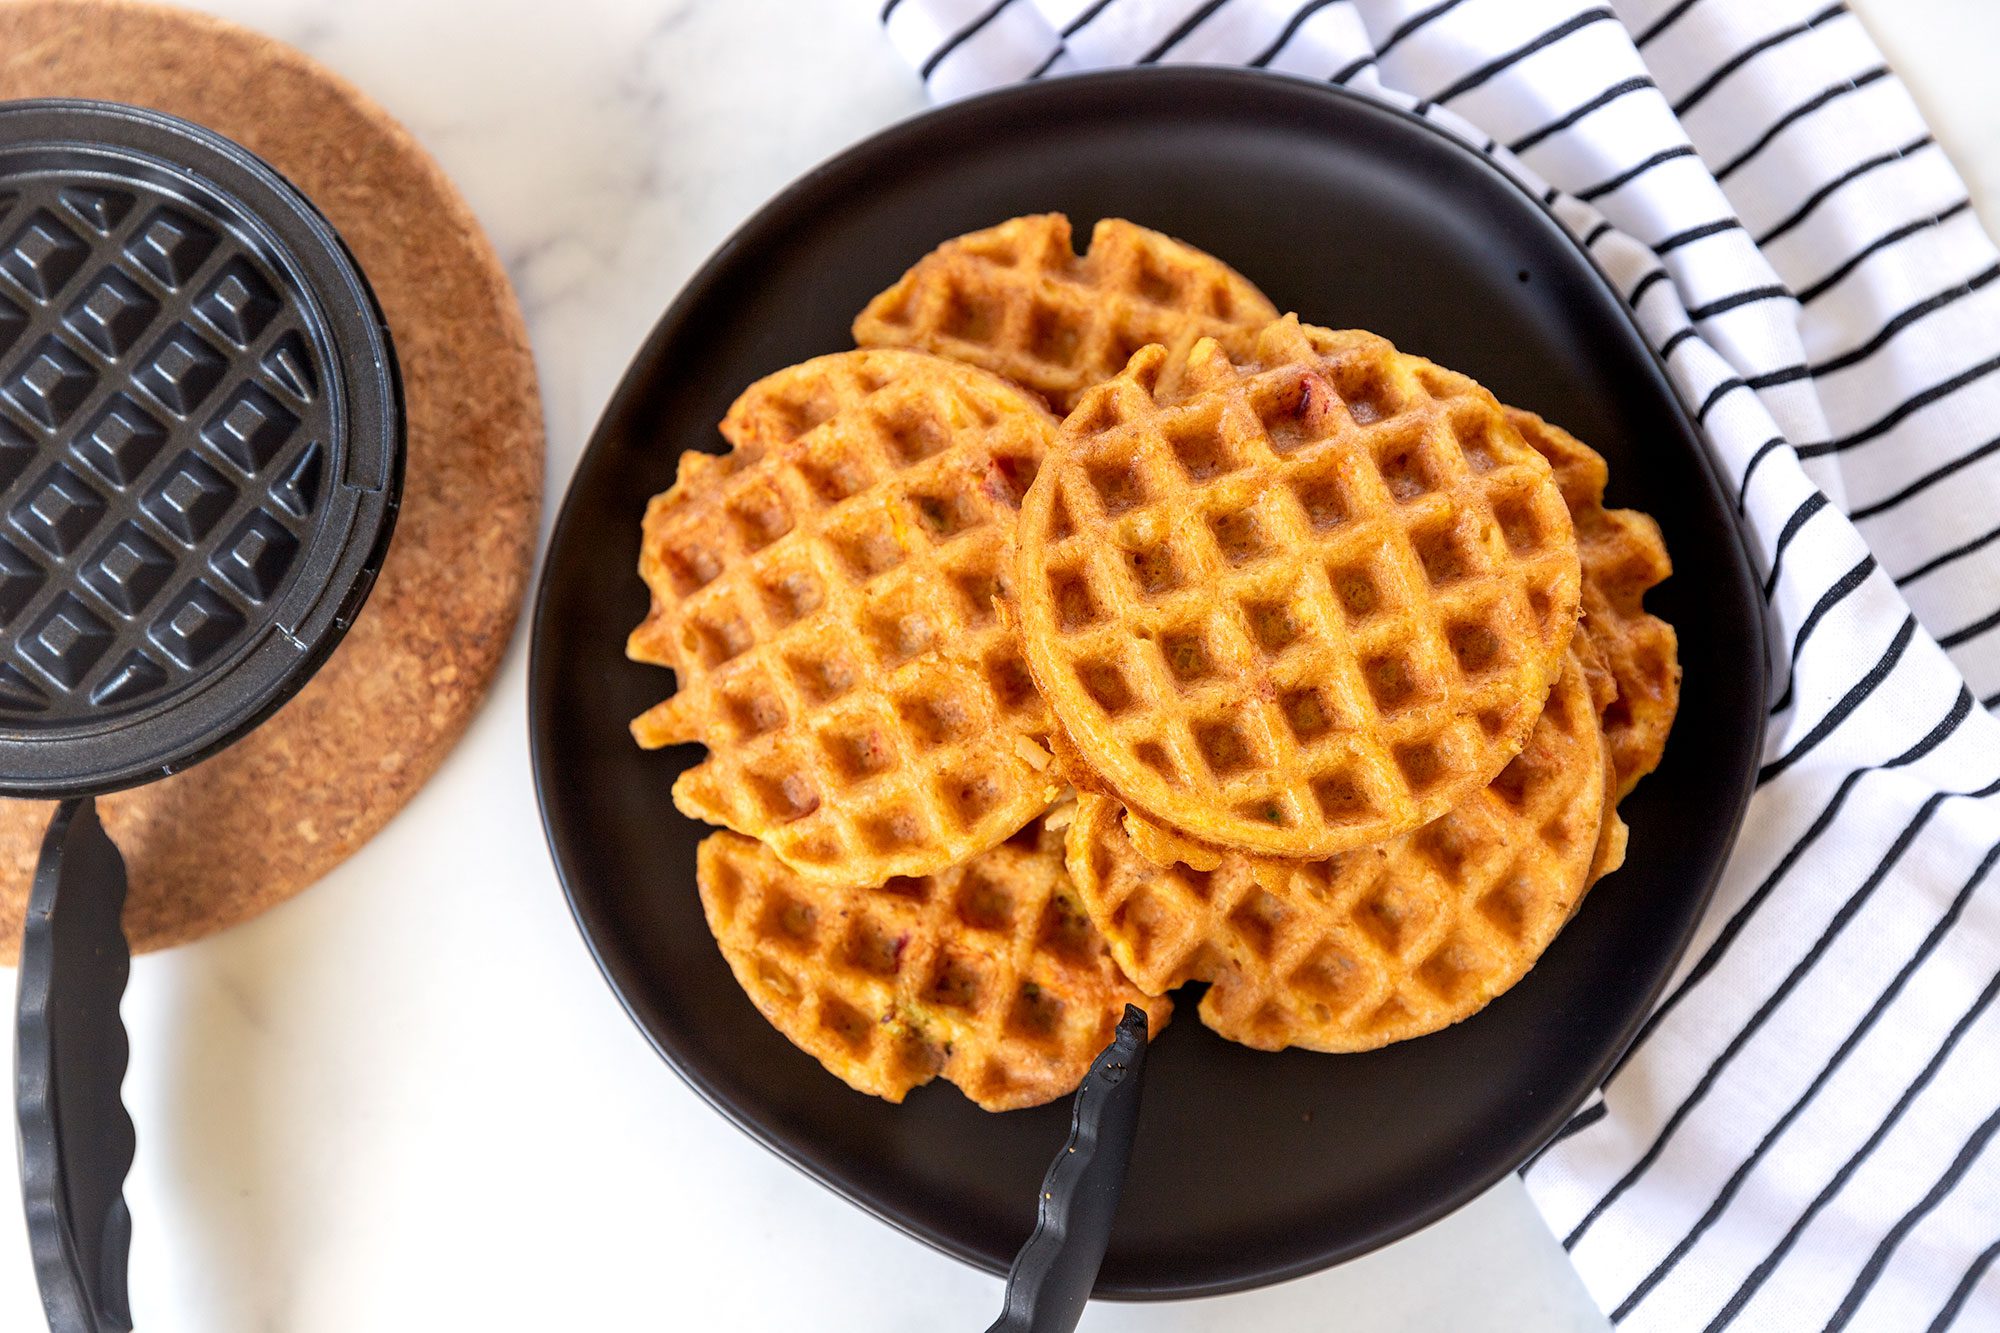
(407, 1100)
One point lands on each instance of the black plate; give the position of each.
(1249, 1168)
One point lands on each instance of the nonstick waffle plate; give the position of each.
(200, 444)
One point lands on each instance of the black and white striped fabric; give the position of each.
(1802, 1137)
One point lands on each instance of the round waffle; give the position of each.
(1018, 300)
(825, 594)
(1623, 555)
(989, 973)
(1381, 944)
(1312, 603)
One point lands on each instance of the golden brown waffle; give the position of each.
(1621, 549)
(1623, 556)
(825, 594)
(1376, 945)
(1311, 604)
(1016, 299)
(989, 974)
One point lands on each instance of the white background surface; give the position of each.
(407, 1100)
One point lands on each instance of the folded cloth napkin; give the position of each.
(1802, 1135)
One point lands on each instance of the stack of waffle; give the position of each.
(1284, 661)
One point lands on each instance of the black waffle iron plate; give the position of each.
(201, 443)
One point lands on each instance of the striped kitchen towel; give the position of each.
(1802, 1136)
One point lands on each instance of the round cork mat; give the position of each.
(267, 817)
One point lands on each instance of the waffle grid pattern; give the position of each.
(988, 974)
(1309, 605)
(160, 447)
(826, 595)
(1376, 945)
(1623, 557)
(1017, 300)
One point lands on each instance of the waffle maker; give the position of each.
(201, 449)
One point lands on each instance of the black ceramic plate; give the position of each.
(1249, 1167)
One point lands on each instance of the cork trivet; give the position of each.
(267, 817)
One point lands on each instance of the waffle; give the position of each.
(1016, 299)
(1621, 549)
(989, 974)
(1623, 556)
(1381, 944)
(825, 594)
(1312, 604)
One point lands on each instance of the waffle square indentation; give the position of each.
(121, 441)
(190, 499)
(290, 365)
(59, 510)
(129, 570)
(67, 642)
(99, 210)
(182, 369)
(239, 302)
(131, 680)
(255, 557)
(171, 246)
(113, 313)
(299, 491)
(51, 384)
(251, 428)
(43, 255)
(196, 625)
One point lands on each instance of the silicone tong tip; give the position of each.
(76, 1140)
(1053, 1274)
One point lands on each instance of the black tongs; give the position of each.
(70, 1052)
(1052, 1275)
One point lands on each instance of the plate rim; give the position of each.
(941, 119)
